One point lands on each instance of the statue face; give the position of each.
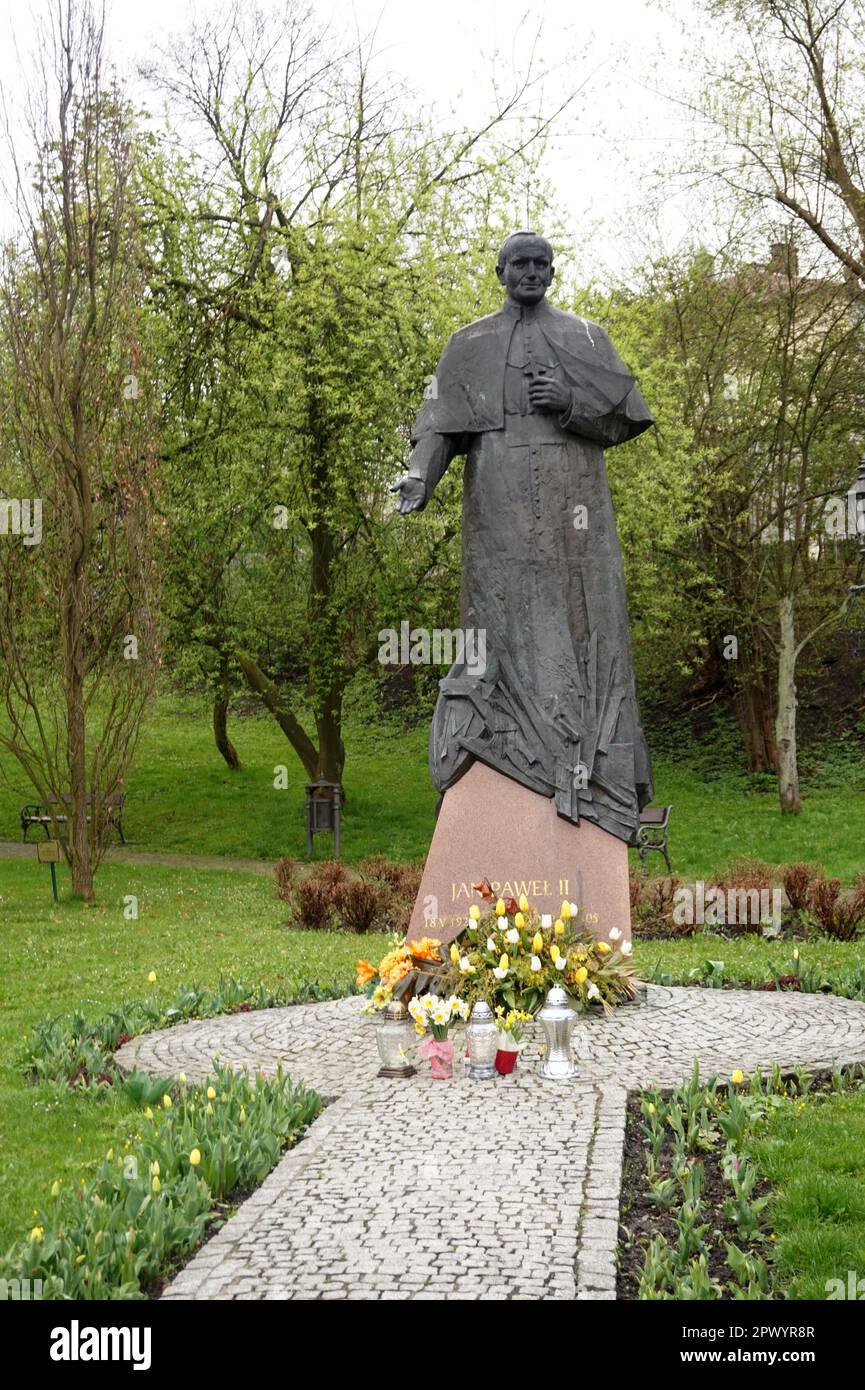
(528, 270)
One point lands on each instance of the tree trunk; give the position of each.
(79, 840)
(273, 701)
(785, 725)
(220, 716)
(753, 710)
(331, 749)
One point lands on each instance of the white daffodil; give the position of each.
(546, 921)
(491, 944)
(502, 923)
(512, 936)
(626, 948)
(614, 933)
(536, 963)
(463, 1011)
(593, 992)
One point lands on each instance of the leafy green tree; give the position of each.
(309, 270)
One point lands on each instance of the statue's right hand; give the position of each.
(411, 494)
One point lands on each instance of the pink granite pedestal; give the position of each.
(491, 827)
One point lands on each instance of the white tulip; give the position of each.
(536, 963)
(466, 966)
(561, 962)
(546, 920)
(512, 936)
(626, 948)
(499, 973)
(614, 933)
(491, 945)
(593, 992)
(501, 923)
(574, 909)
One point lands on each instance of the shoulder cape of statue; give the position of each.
(466, 395)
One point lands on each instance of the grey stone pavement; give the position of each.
(505, 1189)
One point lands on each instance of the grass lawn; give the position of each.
(183, 798)
(191, 926)
(814, 1154)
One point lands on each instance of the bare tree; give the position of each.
(783, 90)
(77, 627)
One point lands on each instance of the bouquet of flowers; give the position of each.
(378, 981)
(511, 1027)
(511, 956)
(435, 1015)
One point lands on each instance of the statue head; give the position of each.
(525, 267)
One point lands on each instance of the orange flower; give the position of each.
(395, 965)
(365, 973)
(426, 948)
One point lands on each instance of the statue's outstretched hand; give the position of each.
(411, 494)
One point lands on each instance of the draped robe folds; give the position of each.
(555, 705)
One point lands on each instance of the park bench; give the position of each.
(652, 834)
(111, 808)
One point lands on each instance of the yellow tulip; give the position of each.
(554, 952)
(500, 908)
(55, 1188)
(603, 948)
(559, 927)
(166, 1101)
(474, 912)
(519, 920)
(151, 978)
(565, 911)
(524, 903)
(154, 1168)
(537, 942)
(581, 975)
(155, 1185)
(211, 1094)
(738, 1077)
(37, 1233)
(455, 955)
(195, 1157)
(504, 963)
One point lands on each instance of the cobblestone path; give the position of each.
(504, 1189)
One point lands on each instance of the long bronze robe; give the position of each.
(556, 706)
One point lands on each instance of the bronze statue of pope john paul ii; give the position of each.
(532, 396)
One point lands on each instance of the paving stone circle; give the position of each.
(505, 1189)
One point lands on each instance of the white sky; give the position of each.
(630, 51)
